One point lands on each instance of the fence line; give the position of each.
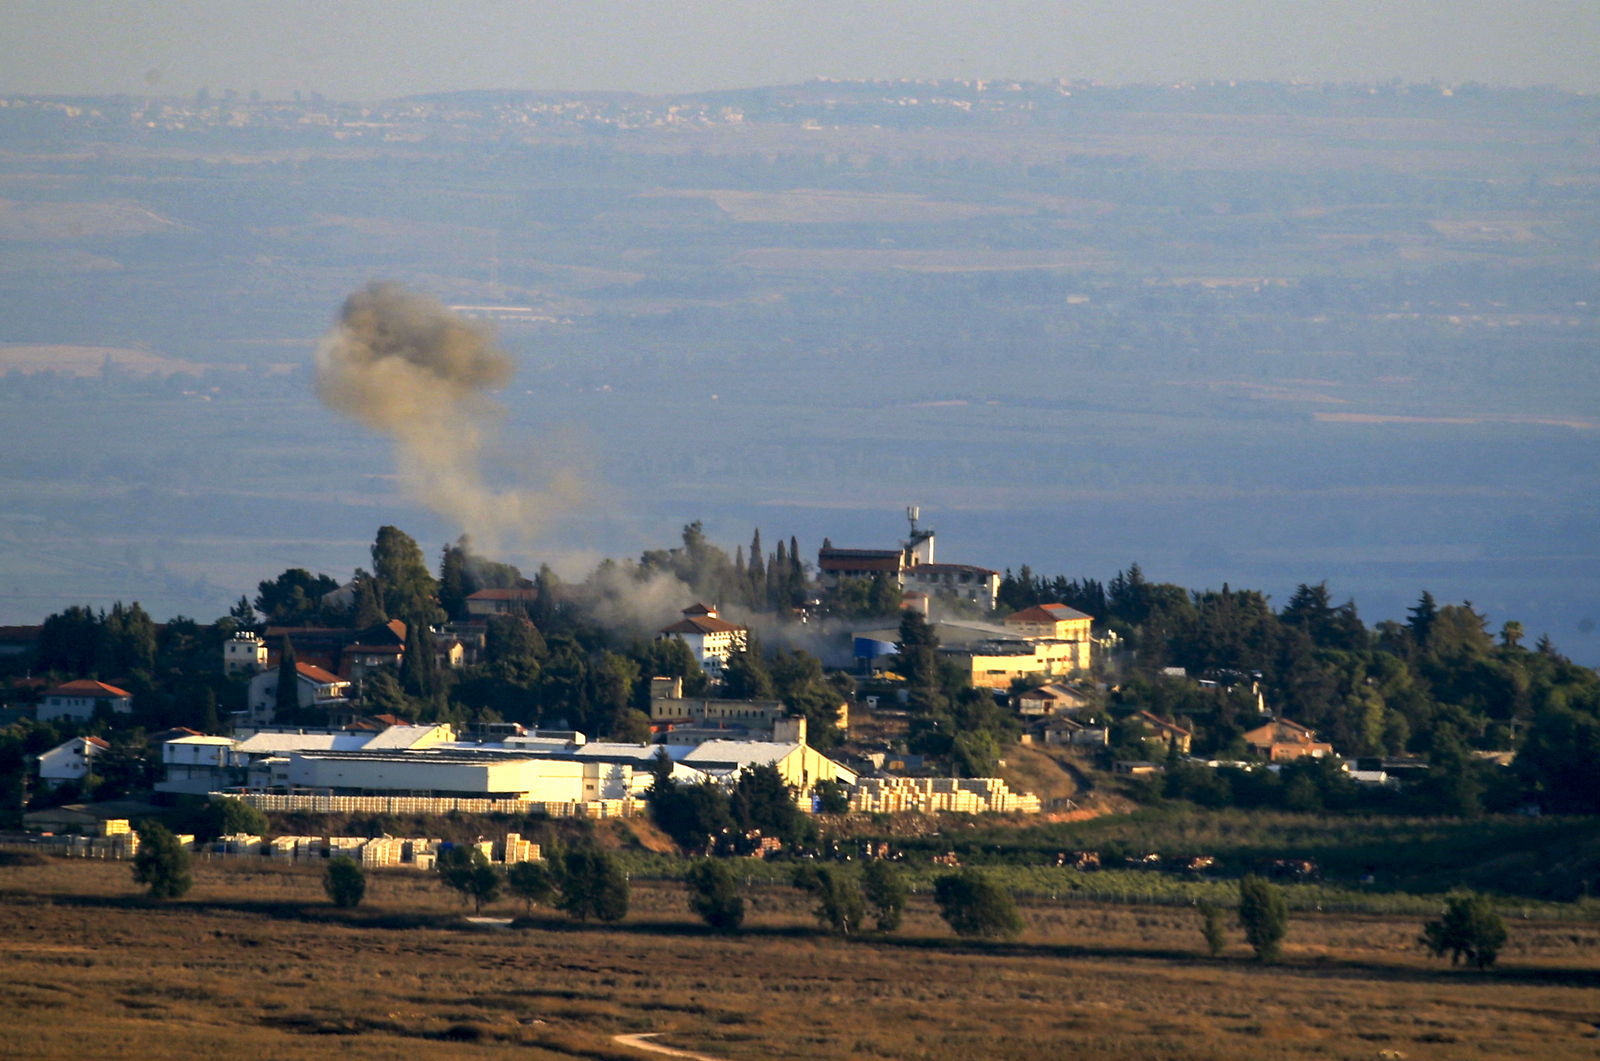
(598, 808)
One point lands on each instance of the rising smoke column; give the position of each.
(403, 365)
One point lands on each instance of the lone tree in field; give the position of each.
(886, 891)
(975, 906)
(1213, 926)
(838, 894)
(1264, 916)
(344, 882)
(534, 883)
(714, 895)
(466, 870)
(593, 884)
(161, 864)
(1469, 928)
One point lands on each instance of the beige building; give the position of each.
(1059, 624)
(1282, 741)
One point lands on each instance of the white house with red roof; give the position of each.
(70, 761)
(79, 699)
(711, 639)
(316, 688)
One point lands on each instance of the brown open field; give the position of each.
(255, 962)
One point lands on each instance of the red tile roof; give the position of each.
(514, 593)
(701, 625)
(1046, 613)
(316, 674)
(1161, 723)
(86, 687)
(860, 560)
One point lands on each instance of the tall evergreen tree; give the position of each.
(287, 705)
(1420, 619)
(368, 611)
(756, 572)
(409, 591)
(419, 668)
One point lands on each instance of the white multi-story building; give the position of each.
(70, 761)
(77, 700)
(712, 640)
(244, 653)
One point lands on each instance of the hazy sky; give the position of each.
(367, 49)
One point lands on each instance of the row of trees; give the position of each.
(1469, 928)
(582, 881)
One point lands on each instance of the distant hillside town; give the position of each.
(875, 680)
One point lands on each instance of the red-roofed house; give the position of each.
(712, 640)
(513, 600)
(70, 761)
(317, 688)
(1051, 699)
(1282, 741)
(78, 700)
(1060, 624)
(1169, 733)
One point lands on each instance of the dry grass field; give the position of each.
(255, 963)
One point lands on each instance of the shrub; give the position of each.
(467, 870)
(533, 883)
(832, 797)
(886, 891)
(1263, 915)
(593, 884)
(1213, 925)
(1470, 928)
(975, 906)
(714, 895)
(839, 903)
(161, 864)
(344, 882)
(226, 816)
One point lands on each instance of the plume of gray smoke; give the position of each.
(403, 365)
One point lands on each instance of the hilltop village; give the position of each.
(869, 681)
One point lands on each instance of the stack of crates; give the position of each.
(516, 849)
(348, 846)
(381, 852)
(241, 844)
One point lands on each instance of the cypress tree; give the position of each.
(287, 705)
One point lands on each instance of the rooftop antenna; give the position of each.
(912, 513)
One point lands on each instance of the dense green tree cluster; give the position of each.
(1264, 916)
(1437, 685)
(976, 906)
(705, 818)
(1469, 929)
(162, 863)
(950, 718)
